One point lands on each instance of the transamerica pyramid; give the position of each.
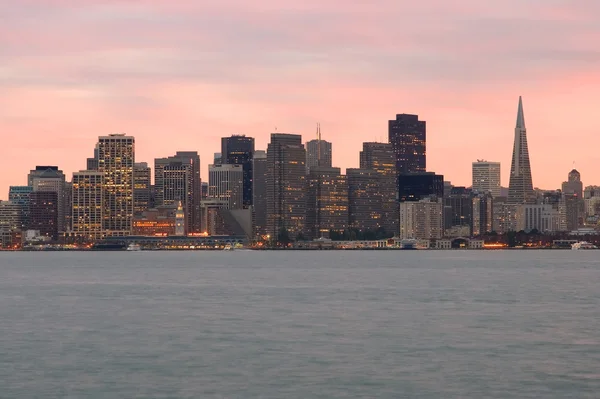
(520, 187)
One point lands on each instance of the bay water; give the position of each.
(300, 324)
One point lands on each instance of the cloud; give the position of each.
(237, 66)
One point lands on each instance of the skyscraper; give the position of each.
(407, 134)
(417, 186)
(364, 202)
(20, 195)
(116, 156)
(50, 178)
(183, 173)
(483, 214)
(520, 188)
(318, 152)
(486, 177)
(573, 199)
(141, 187)
(327, 202)
(239, 150)
(43, 213)
(226, 183)
(87, 218)
(286, 188)
(380, 158)
(259, 192)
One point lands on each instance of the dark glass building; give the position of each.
(417, 186)
(407, 136)
(458, 207)
(43, 213)
(239, 150)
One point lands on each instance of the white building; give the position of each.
(542, 217)
(422, 219)
(225, 183)
(486, 177)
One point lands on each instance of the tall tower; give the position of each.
(486, 177)
(116, 154)
(318, 152)
(286, 188)
(179, 220)
(407, 134)
(380, 158)
(520, 188)
(239, 150)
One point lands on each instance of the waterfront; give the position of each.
(300, 324)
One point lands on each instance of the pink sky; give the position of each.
(180, 77)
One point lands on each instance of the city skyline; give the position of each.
(173, 90)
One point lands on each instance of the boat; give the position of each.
(134, 247)
(228, 247)
(108, 246)
(583, 245)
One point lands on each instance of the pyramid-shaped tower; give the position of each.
(520, 188)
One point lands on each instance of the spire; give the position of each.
(520, 115)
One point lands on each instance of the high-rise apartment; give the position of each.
(239, 150)
(327, 202)
(116, 156)
(50, 178)
(486, 177)
(259, 192)
(86, 217)
(520, 188)
(407, 134)
(182, 172)
(318, 152)
(226, 183)
(142, 186)
(286, 185)
(380, 158)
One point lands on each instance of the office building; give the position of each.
(574, 203)
(541, 217)
(421, 219)
(177, 178)
(365, 211)
(380, 158)
(520, 189)
(505, 216)
(50, 178)
(239, 150)
(483, 213)
(458, 210)
(20, 195)
(226, 183)
(318, 152)
(417, 186)
(11, 216)
(116, 156)
(486, 177)
(142, 186)
(407, 134)
(286, 185)
(327, 202)
(43, 213)
(159, 222)
(87, 209)
(259, 193)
